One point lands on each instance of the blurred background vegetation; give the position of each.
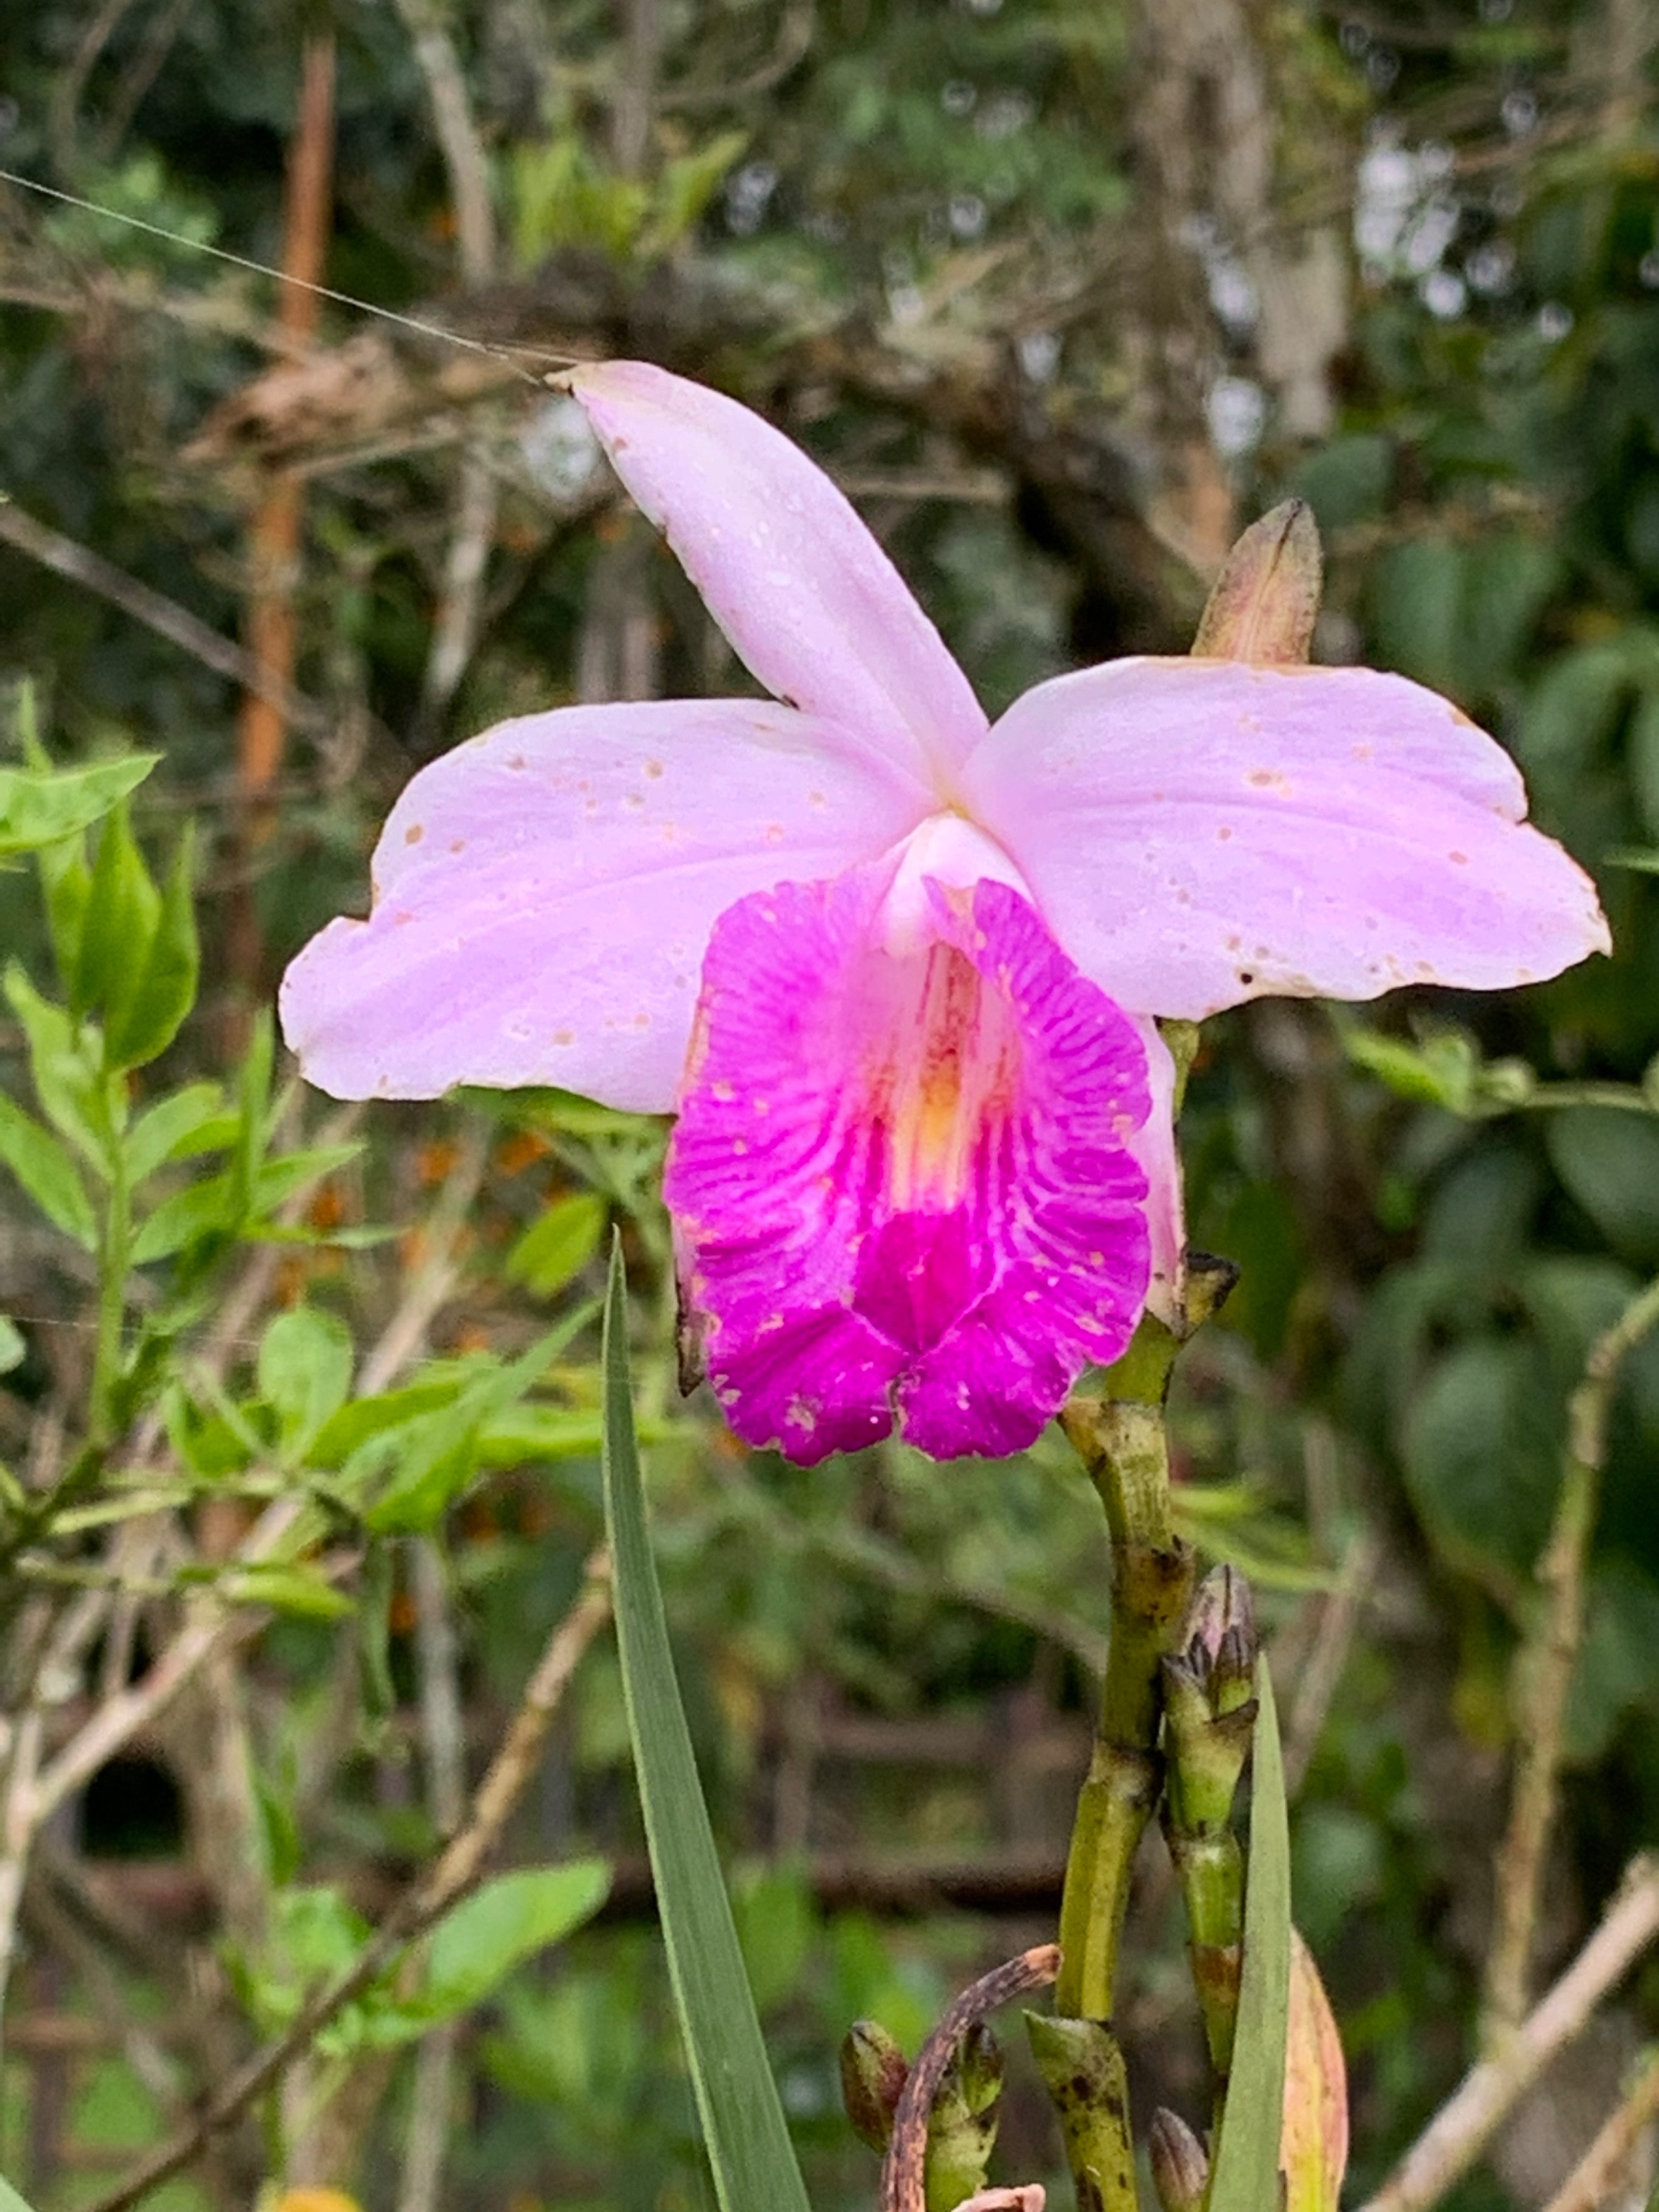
(1062, 292)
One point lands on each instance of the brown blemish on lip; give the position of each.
(457, 844)
(654, 769)
(1223, 833)
(517, 761)
(1458, 859)
(414, 833)
(564, 1037)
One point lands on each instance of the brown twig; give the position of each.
(1543, 1669)
(1463, 2127)
(904, 2168)
(1604, 2168)
(78, 564)
(421, 1906)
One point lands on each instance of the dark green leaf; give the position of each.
(1481, 1455)
(1609, 1160)
(1246, 2173)
(744, 2130)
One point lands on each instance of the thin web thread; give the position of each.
(277, 276)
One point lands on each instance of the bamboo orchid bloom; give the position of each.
(895, 968)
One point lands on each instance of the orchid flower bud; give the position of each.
(873, 2073)
(1264, 604)
(1180, 2165)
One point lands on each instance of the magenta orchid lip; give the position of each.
(568, 897)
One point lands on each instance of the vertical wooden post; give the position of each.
(272, 629)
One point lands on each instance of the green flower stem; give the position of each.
(115, 1261)
(1211, 1871)
(1209, 1718)
(1082, 2069)
(1121, 1438)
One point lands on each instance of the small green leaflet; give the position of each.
(748, 2143)
(1246, 2173)
(10, 2200)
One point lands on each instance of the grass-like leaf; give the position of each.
(748, 2143)
(1246, 2175)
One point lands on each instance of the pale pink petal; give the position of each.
(544, 896)
(902, 1185)
(1153, 1145)
(793, 576)
(1197, 833)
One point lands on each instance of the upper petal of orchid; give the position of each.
(902, 1183)
(791, 574)
(1197, 833)
(544, 895)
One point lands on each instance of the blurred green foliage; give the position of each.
(1437, 1204)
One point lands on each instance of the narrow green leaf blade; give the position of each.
(47, 1171)
(163, 991)
(119, 926)
(1246, 2175)
(10, 2200)
(749, 2149)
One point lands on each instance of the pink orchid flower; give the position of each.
(894, 969)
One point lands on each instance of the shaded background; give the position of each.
(1062, 295)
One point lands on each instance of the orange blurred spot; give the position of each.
(472, 1336)
(433, 1162)
(411, 1247)
(400, 1614)
(327, 1209)
(520, 1150)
